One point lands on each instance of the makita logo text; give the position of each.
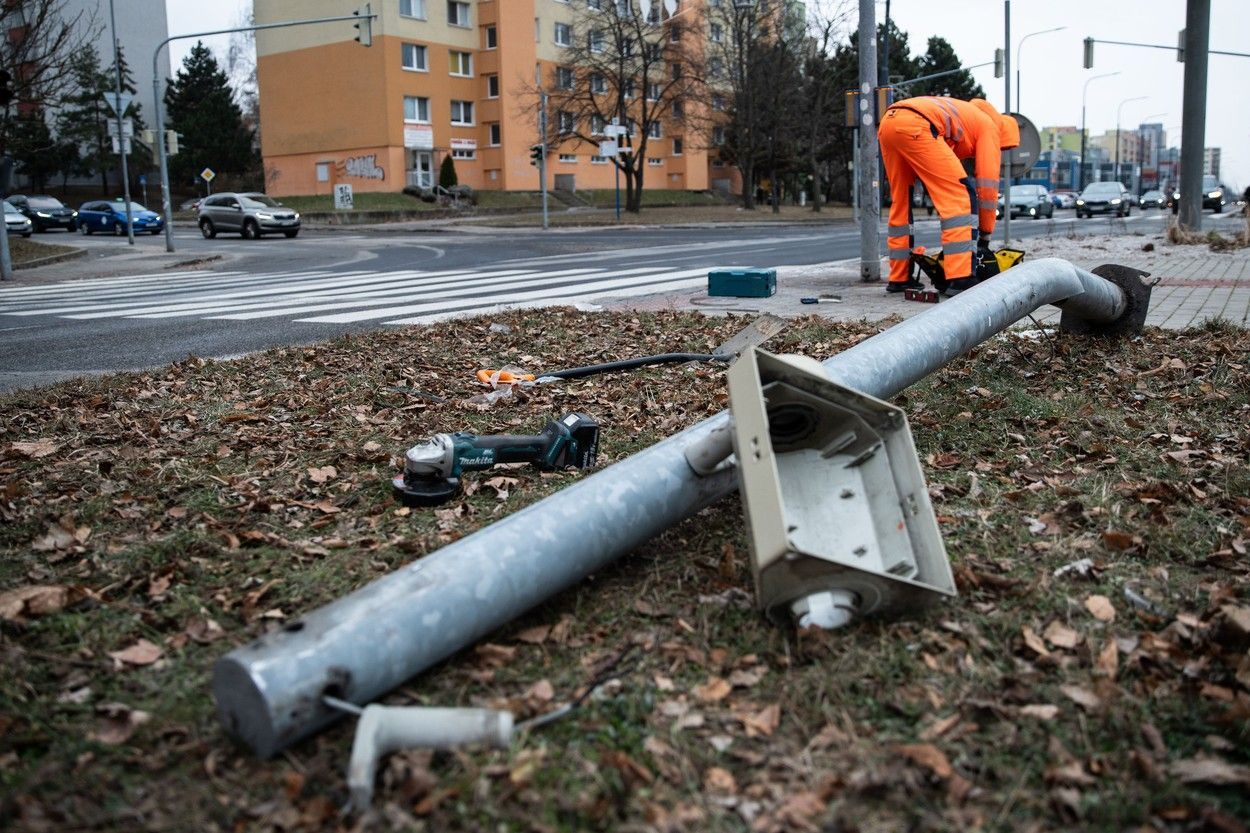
(484, 459)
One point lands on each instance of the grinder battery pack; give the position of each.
(432, 469)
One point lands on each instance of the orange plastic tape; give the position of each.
(505, 378)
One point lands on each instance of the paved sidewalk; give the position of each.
(1195, 284)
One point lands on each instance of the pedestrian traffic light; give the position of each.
(1089, 53)
(1180, 46)
(6, 92)
(537, 152)
(364, 29)
(999, 57)
(171, 143)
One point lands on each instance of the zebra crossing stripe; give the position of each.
(605, 282)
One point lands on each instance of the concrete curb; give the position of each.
(50, 259)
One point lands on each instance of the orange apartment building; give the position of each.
(443, 77)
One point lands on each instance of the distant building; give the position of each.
(1211, 162)
(141, 26)
(1153, 141)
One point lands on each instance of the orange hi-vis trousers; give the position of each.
(909, 149)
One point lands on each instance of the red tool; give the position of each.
(925, 296)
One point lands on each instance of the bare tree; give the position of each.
(39, 44)
(641, 68)
(240, 66)
(821, 94)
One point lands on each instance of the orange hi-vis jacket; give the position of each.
(926, 137)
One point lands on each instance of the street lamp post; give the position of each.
(1019, 45)
(121, 138)
(1084, 134)
(1118, 140)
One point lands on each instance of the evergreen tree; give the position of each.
(32, 145)
(140, 154)
(447, 173)
(83, 118)
(940, 57)
(201, 108)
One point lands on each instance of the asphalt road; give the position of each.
(134, 307)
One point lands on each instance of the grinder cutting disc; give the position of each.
(422, 492)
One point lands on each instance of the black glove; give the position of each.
(983, 241)
(986, 262)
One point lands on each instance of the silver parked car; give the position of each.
(250, 215)
(15, 221)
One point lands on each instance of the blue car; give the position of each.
(104, 216)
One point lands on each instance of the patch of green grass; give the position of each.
(23, 251)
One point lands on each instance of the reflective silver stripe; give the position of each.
(958, 222)
(898, 231)
(952, 114)
(958, 247)
(904, 254)
(987, 205)
(987, 183)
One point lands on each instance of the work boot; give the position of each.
(958, 285)
(903, 286)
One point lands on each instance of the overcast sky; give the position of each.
(1052, 77)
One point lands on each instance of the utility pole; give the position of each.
(869, 196)
(121, 138)
(1194, 111)
(1006, 193)
(542, 159)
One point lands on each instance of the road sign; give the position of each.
(207, 175)
(117, 149)
(128, 128)
(613, 130)
(343, 197)
(143, 179)
(118, 103)
(609, 148)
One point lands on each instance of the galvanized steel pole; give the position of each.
(869, 193)
(270, 693)
(1194, 111)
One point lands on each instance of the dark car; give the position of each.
(1029, 201)
(1104, 198)
(251, 215)
(1151, 199)
(104, 216)
(1213, 195)
(46, 212)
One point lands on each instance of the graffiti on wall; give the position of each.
(361, 167)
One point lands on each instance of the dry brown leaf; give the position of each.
(142, 652)
(36, 600)
(1042, 711)
(159, 586)
(536, 635)
(1034, 642)
(1072, 774)
(1100, 608)
(56, 538)
(322, 474)
(718, 780)
(34, 450)
(763, 722)
(747, 677)
(1210, 770)
(493, 655)
(118, 723)
(1108, 659)
(928, 756)
(204, 630)
(1083, 697)
(1061, 636)
(541, 691)
(714, 690)
(1118, 540)
(940, 727)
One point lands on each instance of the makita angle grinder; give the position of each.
(432, 469)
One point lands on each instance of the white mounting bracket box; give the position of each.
(836, 504)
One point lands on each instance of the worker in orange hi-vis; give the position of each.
(926, 137)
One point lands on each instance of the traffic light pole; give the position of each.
(542, 158)
(121, 133)
(361, 19)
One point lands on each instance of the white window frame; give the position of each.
(417, 49)
(494, 134)
(568, 158)
(598, 83)
(561, 74)
(567, 31)
(465, 58)
(678, 145)
(455, 20)
(597, 123)
(565, 121)
(464, 153)
(654, 161)
(596, 41)
(492, 81)
(486, 36)
(420, 102)
(716, 33)
(463, 106)
(416, 9)
(655, 130)
(598, 160)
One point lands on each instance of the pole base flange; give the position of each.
(1137, 299)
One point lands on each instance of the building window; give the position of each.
(463, 153)
(654, 130)
(323, 171)
(461, 64)
(565, 121)
(718, 103)
(415, 57)
(654, 162)
(461, 112)
(496, 135)
(653, 51)
(598, 84)
(595, 40)
(679, 110)
(412, 8)
(675, 72)
(715, 68)
(492, 86)
(492, 37)
(564, 34)
(597, 124)
(674, 33)
(718, 135)
(598, 160)
(568, 157)
(417, 108)
(594, 4)
(677, 143)
(716, 33)
(653, 91)
(457, 13)
(564, 78)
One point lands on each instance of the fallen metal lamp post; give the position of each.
(271, 693)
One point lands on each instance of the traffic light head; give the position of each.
(364, 28)
(998, 63)
(537, 153)
(1089, 53)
